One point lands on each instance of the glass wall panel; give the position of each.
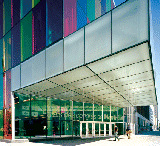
(74, 50)
(66, 117)
(16, 51)
(7, 51)
(70, 17)
(39, 27)
(97, 8)
(120, 114)
(26, 6)
(53, 116)
(129, 24)
(15, 12)
(22, 116)
(1, 56)
(54, 59)
(26, 37)
(1, 124)
(35, 2)
(103, 7)
(38, 116)
(98, 38)
(15, 76)
(91, 10)
(1, 91)
(81, 13)
(1, 20)
(77, 111)
(97, 112)
(108, 5)
(106, 113)
(33, 70)
(7, 105)
(54, 21)
(6, 16)
(113, 114)
(88, 112)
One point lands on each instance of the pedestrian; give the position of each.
(116, 132)
(128, 131)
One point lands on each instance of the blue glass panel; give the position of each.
(1, 21)
(26, 6)
(1, 91)
(81, 13)
(16, 53)
(103, 7)
(15, 11)
(54, 21)
(39, 27)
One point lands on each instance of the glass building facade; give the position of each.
(60, 65)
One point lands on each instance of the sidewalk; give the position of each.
(136, 140)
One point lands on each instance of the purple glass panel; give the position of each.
(54, 21)
(112, 4)
(16, 53)
(70, 17)
(1, 21)
(39, 27)
(15, 11)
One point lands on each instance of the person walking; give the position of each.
(128, 131)
(116, 132)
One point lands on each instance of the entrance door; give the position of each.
(76, 128)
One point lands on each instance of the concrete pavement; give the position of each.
(145, 139)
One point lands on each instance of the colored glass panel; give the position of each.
(70, 17)
(7, 104)
(35, 2)
(1, 91)
(88, 112)
(112, 4)
(81, 13)
(113, 114)
(39, 27)
(1, 21)
(78, 111)
(16, 51)
(15, 11)
(120, 114)
(106, 113)
(91, 10)
(26, 6)
(7, 51)
(54, 21)
(103, 7)
(26, 37)
(15, 76)
(1, 56)
(97, 8)
(108, 5)
(6, 16)
(1, 124)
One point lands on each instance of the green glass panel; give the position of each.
(22, 116)
(107, 129)
(120, 114)
(106, 113)
(53, 116)
(102, 129)
(108, 5)
(96, 129)
(35, 2)
(26, 37)
(97, 112)
(120, 128)
(78, 111)
(91, 10)
(1, 124)
(90, 129)
(88, 112)
(7, 50)
(113, 114)
(6, 16)
(83, 129)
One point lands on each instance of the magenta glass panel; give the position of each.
(70, 17)
(7, 104)
(15, 11)
(39, 27)
(112, 4)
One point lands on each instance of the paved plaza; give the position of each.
(145, 139)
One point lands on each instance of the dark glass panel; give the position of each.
(39, 27)
(54, 21)
(35, 2)
(16, 51)
(26, 6)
